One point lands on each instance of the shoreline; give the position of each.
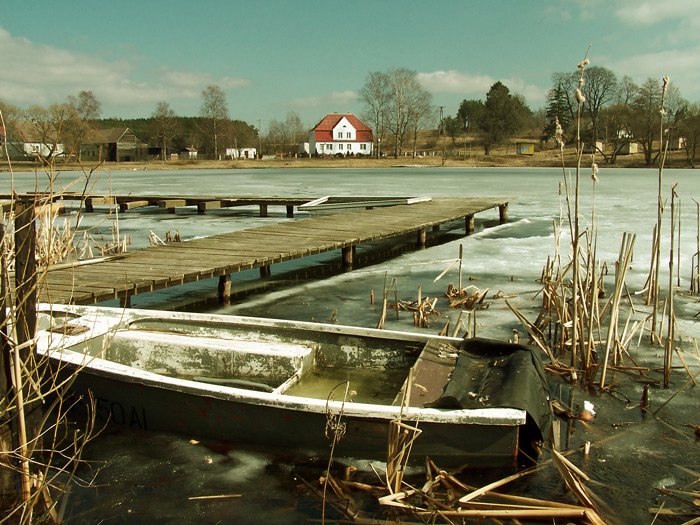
(545, 159)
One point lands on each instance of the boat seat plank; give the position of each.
(431, 373)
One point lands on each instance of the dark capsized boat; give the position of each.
(276, 383)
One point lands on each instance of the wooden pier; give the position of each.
(170, 203)
(155, 268)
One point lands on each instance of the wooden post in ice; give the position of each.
(224, 288)
(26, 374)
(348, 256)
(469, 224)
(422, 238)
(503, 213)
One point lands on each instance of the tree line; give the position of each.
(616, 112)
(619, 112)
(63, 127)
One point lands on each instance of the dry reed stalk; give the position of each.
(621, 266)
(659, 207)
(670, 334)
(335, 431)
(695, 266)
(401, 438)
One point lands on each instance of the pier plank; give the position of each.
(173, 264)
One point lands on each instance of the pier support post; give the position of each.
(290, 211)
(125, 301)
(263, 210)
(265, 271)
(348, 256)
(436, 227)
(503, 213)
(422, 238)
(224, 288)
(469, 225)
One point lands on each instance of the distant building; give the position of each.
(340, 134)
(241, 153)
(525, 148)
(629, 148)
(188, 154)
(30, 142)
(113, 145)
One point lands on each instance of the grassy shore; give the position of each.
(549, 158)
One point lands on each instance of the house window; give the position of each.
(348, 135)
(349, 147)
(340, 134)
(363, 146)
(329, 146)
(340, 146)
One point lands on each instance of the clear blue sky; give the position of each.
(312, 57)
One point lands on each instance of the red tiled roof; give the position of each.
(323, 131)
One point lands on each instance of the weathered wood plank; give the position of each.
(173, 264)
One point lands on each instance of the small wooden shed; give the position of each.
(114, 145)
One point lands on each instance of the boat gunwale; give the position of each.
(121, 319)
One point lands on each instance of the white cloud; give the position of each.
(681, 65)
(338, 99)
(650, 12)
(39, 74)
(476, 86)
(455, 82)
(677, 21)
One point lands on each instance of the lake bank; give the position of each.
(541, 159)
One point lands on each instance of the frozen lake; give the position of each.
(148, 478)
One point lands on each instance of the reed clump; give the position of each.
(589, 318)
(40, 446)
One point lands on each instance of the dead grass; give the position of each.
(502, 158)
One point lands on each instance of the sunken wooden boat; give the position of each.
(276, 383)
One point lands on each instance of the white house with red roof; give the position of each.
(340, 134)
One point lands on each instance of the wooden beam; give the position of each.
(131, 205)
(202, 207)
(53, 208)
(263, 210)
(171, 204)
(91, 202)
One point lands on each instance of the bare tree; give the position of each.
(166, 125)
(616, 120)
(295, 129)
(690, 128)
(87, 110)
(286, 134)
(407, 98)
(421, 114)
(376, 95)
(626, 90)
(214, 110)
(644, 119)
(46, 130)
(600, 89)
